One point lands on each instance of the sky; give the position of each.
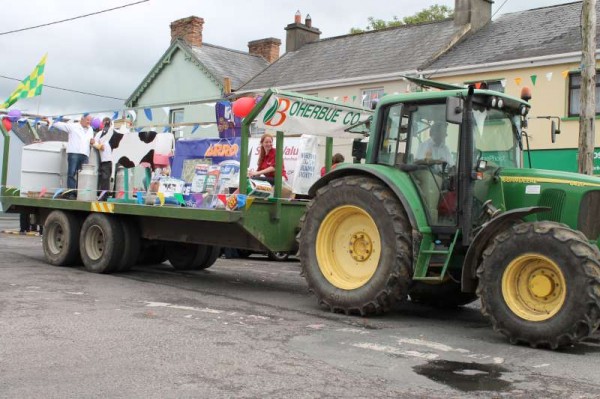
(111, 53)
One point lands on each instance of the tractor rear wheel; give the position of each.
(539, 283)
(356, 247)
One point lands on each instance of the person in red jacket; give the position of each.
(266, 161)
(337, 158)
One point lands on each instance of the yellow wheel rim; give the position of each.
(534, 287)
(348, 247)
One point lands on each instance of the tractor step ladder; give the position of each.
(424, 259)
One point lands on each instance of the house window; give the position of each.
(176, 116)
(370, 95)
(575, 92)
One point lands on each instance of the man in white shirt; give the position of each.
(435, 148)
(81, 136)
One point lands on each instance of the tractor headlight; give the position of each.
(493, 102)
(500, 103)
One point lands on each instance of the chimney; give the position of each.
(298, 34)
(475, 12)
(267, 48)
(188, 29)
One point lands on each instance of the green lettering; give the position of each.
(294, 108)
(301, 109)
(335, 115)
(315, 111)
(329, 114)
(308, 110)
(322, 113)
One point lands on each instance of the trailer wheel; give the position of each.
(356, 247)
(131, 245)
(539, 284)
(61, 238)
(101, 243)
(152, 253)
(184, 256)
(444, 295)
(212, 254)
(278, 256)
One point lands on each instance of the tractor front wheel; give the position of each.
(356, 247)
(539, 284)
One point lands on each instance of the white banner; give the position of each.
(299, 115)
(308, 169)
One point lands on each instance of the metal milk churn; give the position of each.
(87, 183)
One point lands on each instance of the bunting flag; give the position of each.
(503, 82)
(549, 76)
(148, 113)
(518, 81)
(249, 201)
(179, 198)
(131, 115)
(102, 194)
(138, 129)
(31, 86)
(196, 126)
(353, 98)
(335, 98)
(478, 85)
(167, 110)
(161, 198)
(565, 74)
(43, 192)
(120, 194)
(58, 192)
(140, 197)
(166, 129)
(115, 115)
(345, 98)
(533, 79)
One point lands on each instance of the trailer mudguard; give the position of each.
(483, 237)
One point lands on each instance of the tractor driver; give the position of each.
(435, 148)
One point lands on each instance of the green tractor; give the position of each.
(442, 211)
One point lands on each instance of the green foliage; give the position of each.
(433, 13)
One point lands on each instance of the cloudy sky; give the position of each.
(110, 53)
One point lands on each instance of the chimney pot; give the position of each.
(298, 17)
(308, 21)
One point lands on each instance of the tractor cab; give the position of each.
(453, 144)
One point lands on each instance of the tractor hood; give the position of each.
(543, 176)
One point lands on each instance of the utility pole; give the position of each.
(587, 101)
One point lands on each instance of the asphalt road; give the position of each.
(248, 329)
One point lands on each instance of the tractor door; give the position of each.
(432, 159)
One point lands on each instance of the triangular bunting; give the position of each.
(518, 81)
(533, 79)
(549, 76)
(565, 74)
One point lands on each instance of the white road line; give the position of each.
(395, 351)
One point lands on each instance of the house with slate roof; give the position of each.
(191, 71)
(539, 48)
(359, 68)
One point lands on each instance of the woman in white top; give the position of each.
(102, 145)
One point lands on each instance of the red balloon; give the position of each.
(7, 124)
(242, 106)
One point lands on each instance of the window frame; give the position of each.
(367, 101)
(571, 86)
(172, 115)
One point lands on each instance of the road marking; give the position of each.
(181, 307)
(395, 351)
(431, 345)
(353, 330)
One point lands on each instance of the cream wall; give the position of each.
(549, 98)
(389, 87)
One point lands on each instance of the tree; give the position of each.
(431, 14)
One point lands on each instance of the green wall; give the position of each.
(564, 159)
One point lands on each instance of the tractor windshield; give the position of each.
(496, 137)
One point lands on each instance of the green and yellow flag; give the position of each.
(31, 86)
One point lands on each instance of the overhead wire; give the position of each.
(70, 90)
(73, 18)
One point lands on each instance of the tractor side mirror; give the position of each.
(553, 131)
(359, 150)
(454, 109)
